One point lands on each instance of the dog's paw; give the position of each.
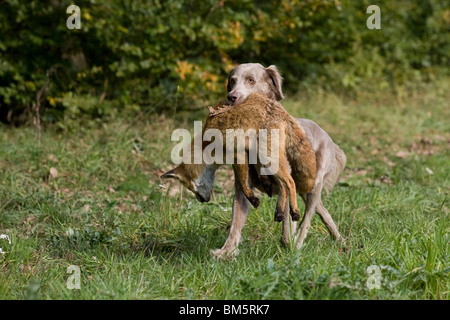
(340, 239)
(224, 254)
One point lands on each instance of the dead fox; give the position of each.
(255, 113)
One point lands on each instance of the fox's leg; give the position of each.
(266, 184)
(289, 184)
(241, 207)
(262, 180)
(281, 207)
(241, 173)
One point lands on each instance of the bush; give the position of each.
(159, 55)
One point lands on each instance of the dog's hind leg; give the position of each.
(328, 221)
(311, 201)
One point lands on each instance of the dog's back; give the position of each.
(330, 158)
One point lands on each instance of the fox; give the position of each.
(293, 151)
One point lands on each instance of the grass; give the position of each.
(105, 210)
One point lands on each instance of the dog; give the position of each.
(330, 161)
(289, 146)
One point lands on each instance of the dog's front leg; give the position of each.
(241, 207)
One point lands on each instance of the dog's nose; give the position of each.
(232, 97)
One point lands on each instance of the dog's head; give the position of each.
(253, 77)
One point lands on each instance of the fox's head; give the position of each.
(198, 179)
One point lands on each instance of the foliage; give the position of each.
(157, 55)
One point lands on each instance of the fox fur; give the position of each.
(294, 152)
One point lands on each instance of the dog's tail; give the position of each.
(338, 164)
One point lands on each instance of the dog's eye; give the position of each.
(251, 81)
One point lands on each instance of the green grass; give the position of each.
(106, 212)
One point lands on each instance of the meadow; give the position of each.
(89, 195)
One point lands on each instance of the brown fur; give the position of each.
(259, 112)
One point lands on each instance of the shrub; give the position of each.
(157, 55)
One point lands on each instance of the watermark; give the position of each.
(374, 21)
(73, 282)
(74, 21)
(233, 148)
(374, 280)
(225, 309)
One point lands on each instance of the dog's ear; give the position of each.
(230, 74)
(170, 175)
(275, 82)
